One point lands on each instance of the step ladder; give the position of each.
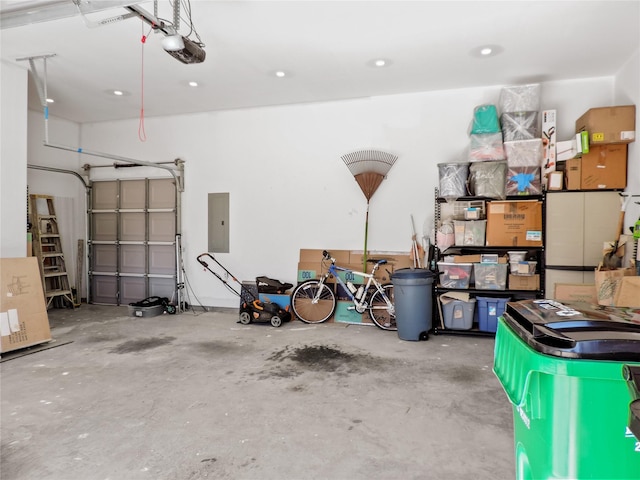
(47, 247)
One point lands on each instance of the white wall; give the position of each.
(290, 189)
(13, 161)
(68, 191)
(627, 92)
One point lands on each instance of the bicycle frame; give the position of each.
(360, 304)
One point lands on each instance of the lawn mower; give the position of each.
(252, 309)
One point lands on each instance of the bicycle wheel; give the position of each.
(383, 315)
(304, 307)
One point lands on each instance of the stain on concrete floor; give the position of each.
(141, 344)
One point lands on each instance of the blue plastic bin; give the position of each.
(489, 309)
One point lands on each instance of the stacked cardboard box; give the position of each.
(604, 166)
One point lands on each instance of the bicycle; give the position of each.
(313, 301)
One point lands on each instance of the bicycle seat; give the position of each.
(381, 262)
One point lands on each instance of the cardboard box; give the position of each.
(609, 124)
(524, 282)
(555, 180)
(628, 293)
(514, 223)
(282, 300)
(23, 312)
(573, 173)
(576, 292)
(315, 255)
(566, 150)
(308, 271)
(344, 314)
(608, 282)
(604, 167)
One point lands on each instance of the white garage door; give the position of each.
(132, 238)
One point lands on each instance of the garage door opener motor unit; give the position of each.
(251, 309)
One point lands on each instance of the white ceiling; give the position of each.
(326, 48)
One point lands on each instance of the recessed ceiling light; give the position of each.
(379, 63)
(193, 84)
(280, 74)
(117, 93)
(50, 100)
(486, 51)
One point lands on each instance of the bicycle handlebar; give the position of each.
(327, 256)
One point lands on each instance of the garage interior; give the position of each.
(235, 132)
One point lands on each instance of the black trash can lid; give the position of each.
(576, 329)
(412, 273)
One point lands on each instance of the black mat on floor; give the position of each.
(30, 350)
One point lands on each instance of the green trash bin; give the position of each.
(565, 370)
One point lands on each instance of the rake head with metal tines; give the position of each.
(369, 167)
(369, 161)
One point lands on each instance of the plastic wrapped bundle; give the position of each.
(486, 146)
(485, 120)
(520, 126)
(520, 98)
(524, 153)
(523, 181)
(453, 179)
(487, 179)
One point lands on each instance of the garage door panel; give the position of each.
(132, 289)
(132, 258)
(104, 227)
(162, 227)
(105, 258)
(104, 289)
(133, 194)
(104, 195)
(162, 287)
(162, 259)
(162, 193)
(132, 226)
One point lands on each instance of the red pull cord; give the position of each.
(142, 135)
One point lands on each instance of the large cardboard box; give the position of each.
(512, 223)
(23, 312)
(604, 167)
(573, 173)
(576, 292)
(609, 124)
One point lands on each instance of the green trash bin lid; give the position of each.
(576, 329)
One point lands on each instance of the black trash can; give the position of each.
(413, 291)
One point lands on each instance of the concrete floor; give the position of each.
(195, 396)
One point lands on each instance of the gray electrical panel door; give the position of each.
(132, 250)
(218, 223)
